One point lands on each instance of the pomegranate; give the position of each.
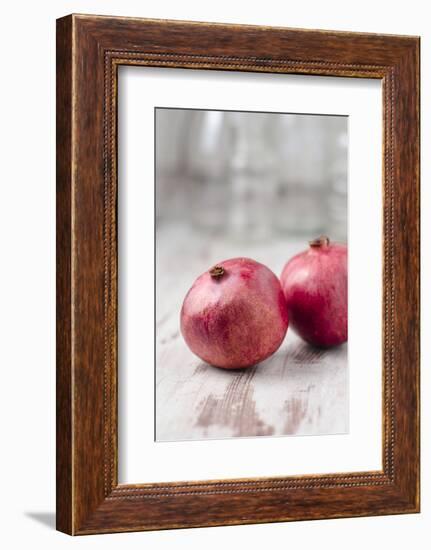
(234, 316)
(314, 283)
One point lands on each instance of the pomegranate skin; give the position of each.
(235, 316)
(314, 283)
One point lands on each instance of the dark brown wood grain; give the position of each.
(89, 51)
(64, 288)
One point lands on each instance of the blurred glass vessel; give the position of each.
(255, 175)
(338, 184)
(303, 175)
(252, 175)
(207, 157)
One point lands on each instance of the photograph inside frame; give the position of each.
(251, 274)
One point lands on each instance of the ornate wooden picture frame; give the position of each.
(89, 51)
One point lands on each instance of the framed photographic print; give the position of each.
(237, 274)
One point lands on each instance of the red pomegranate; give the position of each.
(314, 283)
(235, 314)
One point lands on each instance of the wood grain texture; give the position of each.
(298, 391)
(64, 460)
(89, 499)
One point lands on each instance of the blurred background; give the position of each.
(252, 176)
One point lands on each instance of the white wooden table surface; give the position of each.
(298, 391)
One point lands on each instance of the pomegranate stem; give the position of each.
(217, 272)
(323, 240)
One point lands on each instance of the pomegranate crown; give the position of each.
(217, 271)
(323, 240)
